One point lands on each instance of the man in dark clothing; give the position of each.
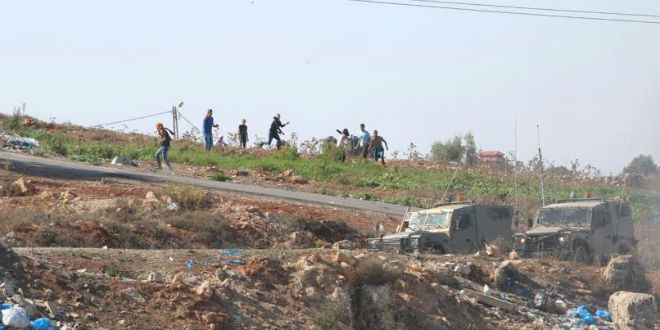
(207, 126)
(164, 145)
(376, 143)
(242, 134)
(275, 131)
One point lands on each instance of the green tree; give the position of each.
(448, 151)
(642, 164)
(470, 149)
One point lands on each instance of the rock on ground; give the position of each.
(506, 275)
(632, 310)
(625, 273)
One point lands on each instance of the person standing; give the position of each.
(376, 143)
(275, 131)
(207, 126)
(242, 134)
(344, 143)
(164, 145)
(364, 141)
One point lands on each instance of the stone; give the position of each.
(343, 245)
(150, 198)
(625, 273)
(340, 257)
(632, 310)
(462, 269)
(133, 294)
(204, 290)
(15, 317)
(192, 280)
(561, 306)
(25, 186)
(122, 322)
(505, 275)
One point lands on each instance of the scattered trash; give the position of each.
(41, 324)
(487, 290)
(123, 161)
(583, 313)
(17, 142)
(189, 264)
(173, 206)
(15, 317)
(604, 314)
(231, 252)
(5, 306)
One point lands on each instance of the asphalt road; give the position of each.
(63, 169)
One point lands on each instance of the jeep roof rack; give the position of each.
(569, 200)
(454, 203)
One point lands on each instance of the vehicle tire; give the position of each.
(434, 249)
(582, 254)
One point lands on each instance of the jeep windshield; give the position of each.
(564, 215)
(419, 220)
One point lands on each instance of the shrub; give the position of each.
(189, 198)
(219, 176)
(112, 271)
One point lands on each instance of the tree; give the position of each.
(470, 149)
(448, 151)
(457, 149)
(642, 164)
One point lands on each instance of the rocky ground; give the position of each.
(301, 289)
(115, 254)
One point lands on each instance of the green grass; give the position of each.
(219, 176)
(112, 271)
(367, 180)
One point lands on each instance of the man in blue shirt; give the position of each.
(207, 126)
(364, 141)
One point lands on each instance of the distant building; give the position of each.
(491, 159)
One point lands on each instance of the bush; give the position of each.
(112, 271)
(219, 176)
(189, 198)
(643, 165)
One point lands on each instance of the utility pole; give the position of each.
(175, 122)
(538, 132)
(515, 163)
(23, 108)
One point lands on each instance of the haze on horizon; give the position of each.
(414, 74)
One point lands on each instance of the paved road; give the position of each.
(62, 169)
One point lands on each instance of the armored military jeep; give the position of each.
(459, 227)
(583, 229)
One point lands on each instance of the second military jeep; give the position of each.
(582, 229)
(459, 227)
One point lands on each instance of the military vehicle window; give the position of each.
(568, 214)
(438, 219)
(464, 221)
(623, 210)
(499, 213)
(417, 220)
(602, 219)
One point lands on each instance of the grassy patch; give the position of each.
(219, 176)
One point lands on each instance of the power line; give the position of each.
(538, 8)
(503, 11)
(189, 122)
(132, 119)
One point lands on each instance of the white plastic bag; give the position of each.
(15, 317)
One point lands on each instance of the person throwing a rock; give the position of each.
(165, 139)
(376, 143)
(275, 131)
(207, 126)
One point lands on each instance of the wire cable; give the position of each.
(503, 12)
(538, 8)
(188, 121)
(132, 119)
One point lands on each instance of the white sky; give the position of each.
(417, 75)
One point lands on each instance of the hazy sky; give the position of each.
(417, 75)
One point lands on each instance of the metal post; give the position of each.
(175, 124)
(23, 108)
(538, 132)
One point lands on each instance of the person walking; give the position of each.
(164, 145)
(275, 131)
(364, 141)
(207, 126)
(376, 143)
(242, 134)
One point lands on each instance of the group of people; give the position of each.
(207, 131)
(367, 142)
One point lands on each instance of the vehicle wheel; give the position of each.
(435, 249)
(582, 254)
